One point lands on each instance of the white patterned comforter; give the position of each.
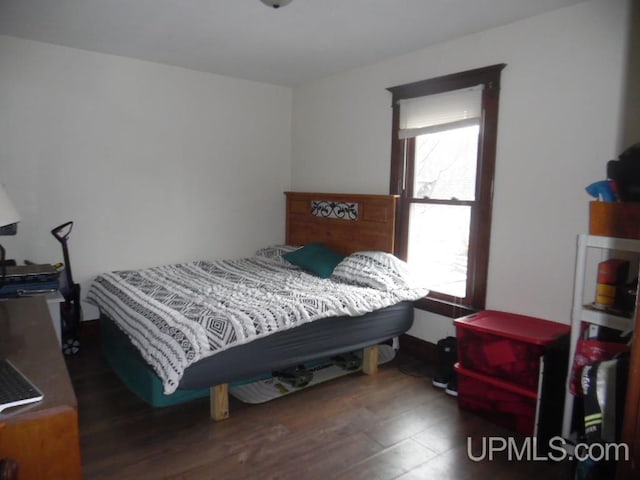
(178, 314)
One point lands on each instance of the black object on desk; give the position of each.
(25, 280)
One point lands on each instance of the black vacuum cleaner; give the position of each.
(70, 311)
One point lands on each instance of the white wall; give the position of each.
(560, 114)
(160, 164)
(154, 164)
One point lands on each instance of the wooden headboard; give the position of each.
(344, 222)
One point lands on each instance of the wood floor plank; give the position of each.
(390, 463)
(388, 430)
(284, 461)
(455, 464)
(388, 426)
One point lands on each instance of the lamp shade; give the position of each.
(8, 213)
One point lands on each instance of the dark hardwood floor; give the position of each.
(394, 425)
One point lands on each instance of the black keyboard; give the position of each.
(15, 388)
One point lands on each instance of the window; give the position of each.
(442, 166)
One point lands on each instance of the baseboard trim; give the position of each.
(419, 349)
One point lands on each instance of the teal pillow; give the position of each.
(316, 258)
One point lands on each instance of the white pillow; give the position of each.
(379, 270)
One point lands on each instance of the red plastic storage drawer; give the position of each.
(500, 402)
(505, 345)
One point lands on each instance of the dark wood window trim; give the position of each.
(480, 229)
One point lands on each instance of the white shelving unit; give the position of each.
(583, 311)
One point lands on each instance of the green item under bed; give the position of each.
(127, 363)
(136, 374)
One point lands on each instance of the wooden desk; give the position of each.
(42, 437)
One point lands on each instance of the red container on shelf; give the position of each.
(500, 402)
(505, 345)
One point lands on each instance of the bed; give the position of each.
(180, 330)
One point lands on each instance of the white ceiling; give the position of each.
(243, 38)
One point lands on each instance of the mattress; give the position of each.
(256, 360)
(178, 316)
(320, 339)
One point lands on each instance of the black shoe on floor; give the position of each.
(452, 386)
(447, 357)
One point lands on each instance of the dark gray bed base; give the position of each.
(319, 339)
(311, 341)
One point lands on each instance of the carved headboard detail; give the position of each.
(345, 222)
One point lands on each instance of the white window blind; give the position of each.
(428, 114)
